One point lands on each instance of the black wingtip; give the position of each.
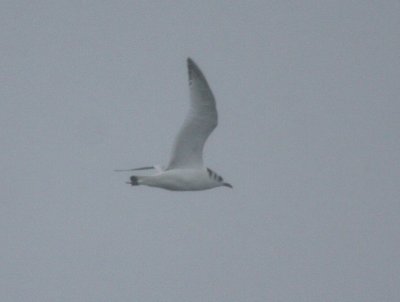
(191, 63)
(225, 184)
(193, 69)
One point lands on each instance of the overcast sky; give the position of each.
(309, 136)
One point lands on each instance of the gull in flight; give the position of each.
(185, 171)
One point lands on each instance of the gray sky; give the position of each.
(309, 135)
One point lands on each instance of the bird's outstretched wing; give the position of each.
(200, 121)
(156, 167)
(135, 169)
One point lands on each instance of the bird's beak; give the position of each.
(227, 185)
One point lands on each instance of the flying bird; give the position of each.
(185, 171)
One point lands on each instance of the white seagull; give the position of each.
(185, 171)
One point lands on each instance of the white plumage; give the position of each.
(185, 171)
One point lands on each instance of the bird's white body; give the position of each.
(185, 171)
(181, 180)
